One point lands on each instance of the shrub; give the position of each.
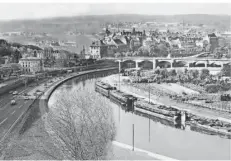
(204, 73)
(226, 86)
(212, 88)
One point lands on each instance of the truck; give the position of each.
(13, 102)
(15, 92)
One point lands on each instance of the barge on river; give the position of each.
(170, 114)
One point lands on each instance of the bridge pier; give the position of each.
(154, 63)
(206, 64)
(137, 65)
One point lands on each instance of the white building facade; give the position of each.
(31, 64)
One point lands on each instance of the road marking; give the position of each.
(23, 91)
(2, 139)
(20, 106)
(3, 121)
(13, 112)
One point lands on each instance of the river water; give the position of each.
(159, 138)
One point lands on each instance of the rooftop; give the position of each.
(118, 42)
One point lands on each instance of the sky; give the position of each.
(37, 10)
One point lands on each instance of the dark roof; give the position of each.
(97, 43)
(118, 42)
(127, 39)
(212, 35)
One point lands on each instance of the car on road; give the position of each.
(15, 92)
(26, 98)
(13, 102)
(24, 94)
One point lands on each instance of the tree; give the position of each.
(226, 70)
(164, 73)
(81, 128)
(16, 56)
(185, 71)
(173, 73)
(157, 71)
(143, 51)
(204, 74)
(195, 74)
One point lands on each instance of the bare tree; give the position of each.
(81, 124)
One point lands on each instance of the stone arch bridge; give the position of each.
(173, 63)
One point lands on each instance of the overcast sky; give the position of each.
(44, 10)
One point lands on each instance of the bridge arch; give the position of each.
(146, 64)
(180, 63)
(128, 64)
(164, 64)
(199, 64)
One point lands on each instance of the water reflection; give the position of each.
(160, 136)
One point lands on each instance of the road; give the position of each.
(9, 114)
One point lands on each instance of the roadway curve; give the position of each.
(45, 97)
(10, 115)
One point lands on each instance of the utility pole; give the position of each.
(119, 113)
(121, 59)
(149, 129)
(133, 137)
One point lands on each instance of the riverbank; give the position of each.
(30, 143)
(215, 122)
(159, 98)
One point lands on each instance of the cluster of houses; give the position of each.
(189, 41)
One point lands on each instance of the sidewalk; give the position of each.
(203, 112)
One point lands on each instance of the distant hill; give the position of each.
(93, 24)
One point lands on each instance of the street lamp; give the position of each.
(149, 95)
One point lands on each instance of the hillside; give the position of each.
(93, 24)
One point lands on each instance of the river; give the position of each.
(165, 140)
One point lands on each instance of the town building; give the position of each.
(31, 64)
(98, 49)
